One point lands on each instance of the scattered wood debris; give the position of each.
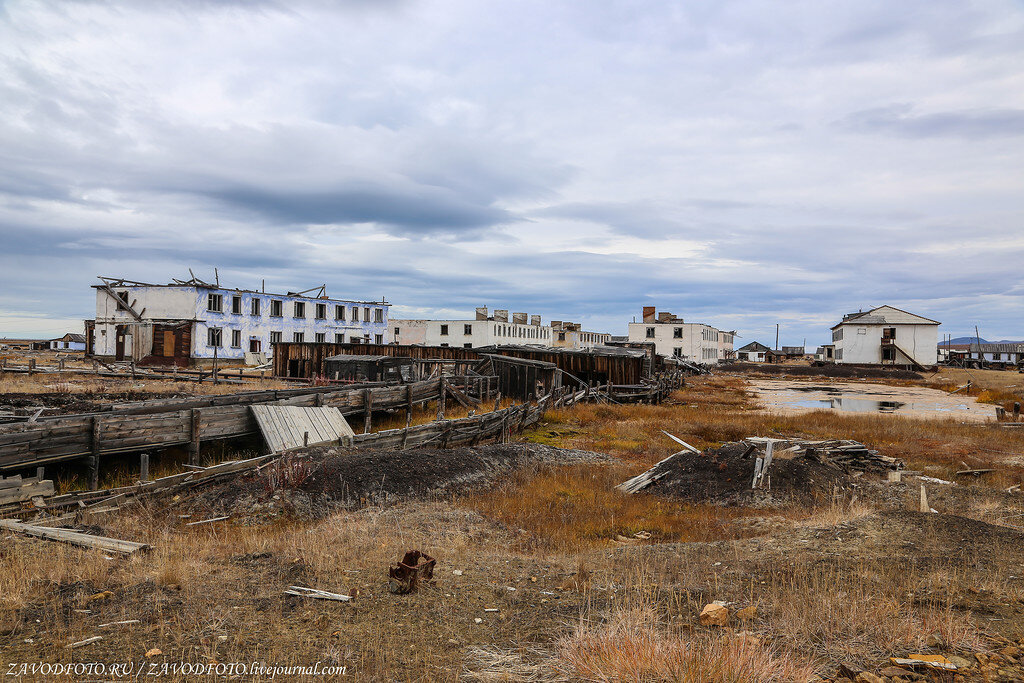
(305, 592)
(112, 545)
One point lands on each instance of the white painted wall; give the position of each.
(480, 333)
(698, 343)
(863, 343)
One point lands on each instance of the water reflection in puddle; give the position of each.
(867, 405)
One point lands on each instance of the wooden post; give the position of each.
(408, 406)
(924, 500)
(94, 458)
(497, 401)
(144, 467)
(440, 398)
(193, 443)
(367, 410)
(31, 366)
(60, 365)
(305, 439)
(40, 472)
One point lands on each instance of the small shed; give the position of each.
(523, 379)
(390, 369)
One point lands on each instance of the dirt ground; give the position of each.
(842, 570)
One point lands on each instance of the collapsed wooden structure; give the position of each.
(191, 421)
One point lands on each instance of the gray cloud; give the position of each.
(899, 119)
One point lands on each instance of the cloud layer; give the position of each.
(738, 163)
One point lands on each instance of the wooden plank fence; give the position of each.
(25, 445)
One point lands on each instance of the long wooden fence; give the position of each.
(496, 425)
(25, 445)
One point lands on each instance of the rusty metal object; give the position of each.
(414, 569)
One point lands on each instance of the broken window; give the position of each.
(254, 345)
(888, 353)
(397, 330)
(339, 312)
(298, 337)
(378, 339)
(213, 336)
(467, 345)
(366, 314)
(561, 336)
(677, 332)
(339, 338)
(321, 337)
(650, 333)
(255, 307)
(321, 311)
(122, 301)
(214, 302)
(467, 329)
(275, 337)
(236, 305)
(888, 333)
(444, 330)
(236, 339)
(378, 315)
(355, 314)
(300, 309)
(276, 308)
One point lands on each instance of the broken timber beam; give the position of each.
(112, 545)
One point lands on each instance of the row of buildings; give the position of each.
(192, 321)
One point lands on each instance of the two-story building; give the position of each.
(567, 335)
(194, 321)
(483, 330)
(695, 342)
(886, 336)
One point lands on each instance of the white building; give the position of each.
(886, 335)
(189, 321)
(566, 335)
(69, 342)
(695, 342)
(754, 352)
(484, 330)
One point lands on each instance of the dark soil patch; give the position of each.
(330, 477)
(826, 370)
(723, 475)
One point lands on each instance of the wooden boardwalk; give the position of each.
(288, 427)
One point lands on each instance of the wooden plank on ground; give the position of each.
(113, 545)
(285, 427)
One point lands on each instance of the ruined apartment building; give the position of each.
(566, 335)
(194, 321)
(885, 335)
(695, 342)
(483, 330)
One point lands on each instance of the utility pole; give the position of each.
(776, 336)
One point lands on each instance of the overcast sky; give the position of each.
(736, 163)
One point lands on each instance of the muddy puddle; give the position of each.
(788, 396)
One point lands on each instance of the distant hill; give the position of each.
(974, 340)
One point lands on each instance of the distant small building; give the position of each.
(886, 336)
(754, 352)
(566, 335)
(826, 353)
(69, 342)
(483, 330)
(984, 354)
(695, 342)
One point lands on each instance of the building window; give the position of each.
(321, 311)
(276, 308)
(213, 337)
(888, 333)
(467, 329)
(339, 338)
(366, 314)
(677, 332)
(254, 345)
(678, 352)
(397, 330)
(888, 353)
(236, 339)
(837, 335)
(378, 315)
(378, 339)
(339, 312)
(214, 302)
(275, 337)
(467, 345)
(561, 336)
(122, 301)
(300, 309)
(355, 314)
(444, 330)
(444, 344)
(236, 305)
(321, 337)
(299, 337)
(650, 333)
(255, 307)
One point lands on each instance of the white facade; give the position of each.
(886, 335)
(566, 335)
(695, 342)
(468, 333)
(204, 321)
(753, 352)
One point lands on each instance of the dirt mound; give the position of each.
(724, 475)
(330, 477)
(826, 370)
